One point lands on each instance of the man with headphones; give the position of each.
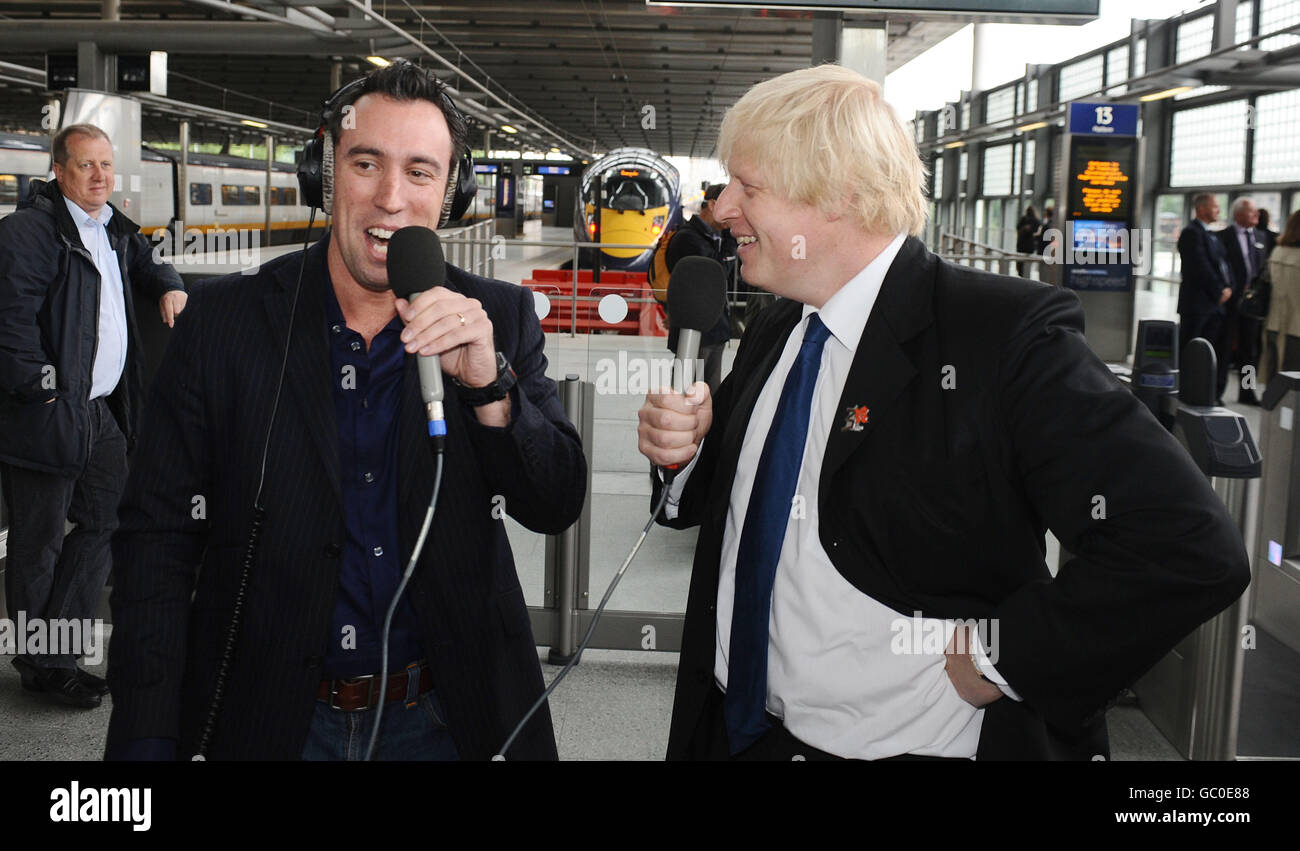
(341, 473)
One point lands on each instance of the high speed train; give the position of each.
(224, 191)
(640, 199)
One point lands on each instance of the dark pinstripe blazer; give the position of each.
(187, 510)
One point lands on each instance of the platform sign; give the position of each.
(1103, 119)
(1099, 250)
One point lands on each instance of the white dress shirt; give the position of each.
(110, 354)
(834, 675)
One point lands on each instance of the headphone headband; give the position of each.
(316, 168)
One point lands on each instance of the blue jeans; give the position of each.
(408, 734)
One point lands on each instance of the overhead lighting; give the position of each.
(1167, 93)
(249, 123)
(507, 128)
(555, 150)
(378, 60)
(957, 144)
(1037, 125)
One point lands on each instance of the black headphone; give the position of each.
(316, 168)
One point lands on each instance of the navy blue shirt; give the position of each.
(367, 402)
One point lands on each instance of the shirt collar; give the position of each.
(845, 313)
(81, 217)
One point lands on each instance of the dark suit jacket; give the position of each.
(940, 503)
(188, 508)
(1203, 262)
(1237, 262)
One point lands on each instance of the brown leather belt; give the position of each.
(362, 693)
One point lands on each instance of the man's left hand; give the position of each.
(446, 323)
(960, 665)
(171, 305)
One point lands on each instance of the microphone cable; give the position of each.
(255, 531)
(392, 607)
(663, 499)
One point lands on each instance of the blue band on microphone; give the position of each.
(437, 428)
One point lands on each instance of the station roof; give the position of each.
(569, 74)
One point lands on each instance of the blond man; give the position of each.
(875, 477)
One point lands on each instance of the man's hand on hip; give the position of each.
(672, 425)
(171, 305)
(960, 665)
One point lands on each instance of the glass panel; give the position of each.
(965, 115)
(1140, 58)
(1245, 17)
(1276, 118)
(997, 171)
(1208, 145)
(1031, 155)
(1171, 215)
(1117, 70)
(1031, 96)
(938, 177)
(1195, 37)
(1275, 15)
(1080, 78)
(1000, 105)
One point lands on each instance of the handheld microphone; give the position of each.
(416, 264)
(696, 292)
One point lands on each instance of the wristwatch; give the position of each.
(496, 391)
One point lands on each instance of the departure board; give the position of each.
(1101, 178)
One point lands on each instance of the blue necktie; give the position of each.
(745, 705)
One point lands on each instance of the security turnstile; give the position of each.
(1193, 694)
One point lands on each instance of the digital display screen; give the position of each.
(485, 169)
(548, 204)
(629, 172)
(1096, 235)
(1101, 178)
(552, 169)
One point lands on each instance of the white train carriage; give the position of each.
(224, 192)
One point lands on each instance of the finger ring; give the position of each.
(462, 318)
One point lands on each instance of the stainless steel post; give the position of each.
(1219, 655)
(566, 550)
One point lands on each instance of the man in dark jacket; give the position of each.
(349, 475)
(702, 236)
(1206, 285)
(70, 387)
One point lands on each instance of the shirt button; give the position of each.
(365, 403)
(356, 345)
(378, 551)
(368, 478)
(337, 329)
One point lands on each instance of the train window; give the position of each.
(284, 196)
(240, 196)
(8, 189)
(200, 194)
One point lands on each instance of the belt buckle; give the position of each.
(370, 692)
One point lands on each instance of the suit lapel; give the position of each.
(307, 373)
(881, 369)
(770, 347)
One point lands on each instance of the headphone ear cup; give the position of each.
(309, 173)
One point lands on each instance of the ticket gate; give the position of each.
(1193, 694)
